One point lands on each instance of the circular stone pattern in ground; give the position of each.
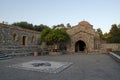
(43, 66)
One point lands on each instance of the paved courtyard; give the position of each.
(84, 67)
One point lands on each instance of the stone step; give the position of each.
(18, 50)
(20, 54)
(4, 56)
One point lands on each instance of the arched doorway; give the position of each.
(80, 46)
(24, 40)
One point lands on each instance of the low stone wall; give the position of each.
(111, 47)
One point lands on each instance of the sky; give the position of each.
(99, 13)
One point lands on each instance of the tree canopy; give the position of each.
(30, 26)
(40, 27)
(24, 24)
(68, 25)
(59, 26)
(114, 34)
(52, 36)
(100, 32)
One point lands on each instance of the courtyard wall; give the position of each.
(111, 46)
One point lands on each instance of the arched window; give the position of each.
(15, 36)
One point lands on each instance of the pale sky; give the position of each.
(99, 13)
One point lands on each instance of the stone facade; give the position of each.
(14, 38)
(83, 38)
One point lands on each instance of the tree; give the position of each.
(40, 27)
(59, 26)
(105, 36)
(43, 35)
(119, 26)
(114, 34)
(68, 25)
(100, 33)
(24, 24)
(30, 26)
(54, 36)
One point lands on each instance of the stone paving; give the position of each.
(42, 66)
(84, 67)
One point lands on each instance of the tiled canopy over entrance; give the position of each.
(83, 38)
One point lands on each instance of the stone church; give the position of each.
(14, 39)
(83, 38)
(17, 41)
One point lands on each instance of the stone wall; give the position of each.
(13, 35)
(14, 38)
(114, 47)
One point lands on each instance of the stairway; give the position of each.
(19, 50)
(4, 56)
